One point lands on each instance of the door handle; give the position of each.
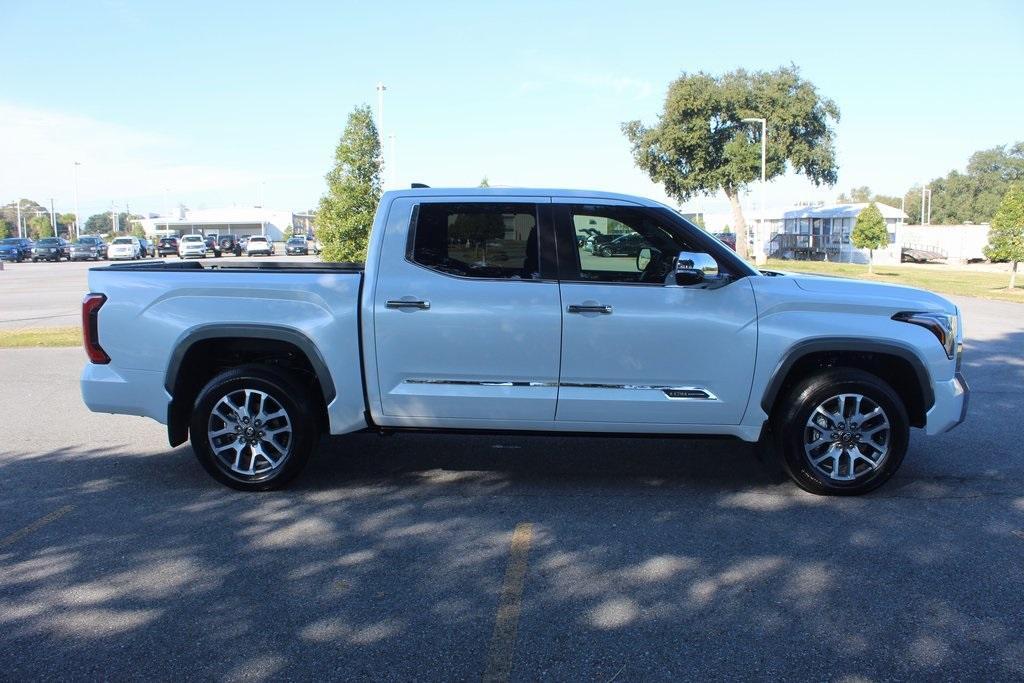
(586, 308)
(407, 303)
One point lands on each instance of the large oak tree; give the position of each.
(700, 144)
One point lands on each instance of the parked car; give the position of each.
(624, 245)
(229, 244)
(167, 246)
(243, 242)
(596, 240)
(190, 246)
(125, 248)
(727, 238)
(296, 246)
(89, 248)
(15, 249)
(51, 249)
(834, 372)
(212, 246)
(259, 246)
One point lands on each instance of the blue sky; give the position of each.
(211, 103)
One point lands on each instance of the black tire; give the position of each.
(281, 389)
(792, 432)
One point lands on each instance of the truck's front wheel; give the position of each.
(842, 432)
(252, 428)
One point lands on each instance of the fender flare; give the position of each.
(844, 344)
(250, 331)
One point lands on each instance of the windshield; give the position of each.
(10, 240)
(123, 240)
(191, 238)
(296, 240)
(257, 239)
(86, 241)
(48, 240)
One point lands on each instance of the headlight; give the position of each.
(944, 326)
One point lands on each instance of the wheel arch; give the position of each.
(897, 363)
(183, 385)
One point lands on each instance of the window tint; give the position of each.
(609, 239)
(477, 240)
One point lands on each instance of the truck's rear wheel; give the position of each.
(252, 428)
(842, 432)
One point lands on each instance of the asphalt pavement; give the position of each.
(416, 557)
(48, 294)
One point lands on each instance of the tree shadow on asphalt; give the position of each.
(651, 558)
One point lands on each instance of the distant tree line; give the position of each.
(959, 197)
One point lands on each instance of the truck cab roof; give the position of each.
(498, 192)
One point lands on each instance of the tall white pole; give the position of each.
(392, 169)
(380, 111)
(53, 219)
(78, 224)
(929, 206)
(21, 229)
(922, 204)
(760, 258)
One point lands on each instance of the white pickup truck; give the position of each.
(481, 310)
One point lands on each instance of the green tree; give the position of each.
(5, 230)
(864, 195)
(870, 232)
(1006, 236)
(39, 226)
(858, 195)
(972, 196)
(701, 145)
(345, 216)
(9, 212)
(137, 229)
(100, 223)
(484, 182)
(66, 221)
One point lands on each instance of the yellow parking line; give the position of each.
(35, 526)
(499, 655)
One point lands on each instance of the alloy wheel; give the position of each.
(250, 433)
(846, 437)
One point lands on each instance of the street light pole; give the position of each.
(78, 228)
(380, 110)
(53, 219)
(759, 255)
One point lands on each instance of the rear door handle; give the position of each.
(408, 303)
(588, 308)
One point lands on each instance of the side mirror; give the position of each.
(693, 268)
(643, 259)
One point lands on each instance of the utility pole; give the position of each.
(922, 204)
(21, 228)
(380, 111)
(53, 219)
(78, 224)
(929, 206)
(113, 216)
(392, 169)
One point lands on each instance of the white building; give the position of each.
(818, 232)
(272, 223)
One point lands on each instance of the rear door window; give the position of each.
(477, 240)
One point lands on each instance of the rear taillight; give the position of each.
(91, 328)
